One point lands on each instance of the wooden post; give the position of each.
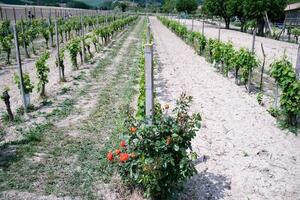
(262, 68)
(82, 39)
(57, 46)
(298, 64)
(276, 95)
(252, 51)
(19, 62)
(1, 14)
(203, 26)
(23, 38)
(26, 14)
(192, 24)
(149, 81)
(41, 10)
(148, 35)
(219, 32)
(5, 14)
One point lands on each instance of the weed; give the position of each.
(63, 110)
(65, 90)
(35, 133)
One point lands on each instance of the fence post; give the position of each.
(57, 46)
(1, 13)
(82, 39)
(192, 24)
(149, 81)
(19, 62)
(148, 34)
(41, 10)
(23, 38)
(298, 64)
(203, 26)
(276, 95)
(250, 70)
(219, 31)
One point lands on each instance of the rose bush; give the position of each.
(157, 158)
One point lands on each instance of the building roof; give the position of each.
(294, 6)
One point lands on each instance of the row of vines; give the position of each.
(75, 45)
(31, 31)
(241, 63)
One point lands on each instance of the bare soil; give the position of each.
(242, 153)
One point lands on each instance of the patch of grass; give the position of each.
(21, 110)
(65, 90)
(63, 110)
(80, 76)
(47, 102)
(35, 133)
(18, 119)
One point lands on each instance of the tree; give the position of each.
(169, 6)
(221, 8)
(256, 9)
(236, 8)
(186, 5)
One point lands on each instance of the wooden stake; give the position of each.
(19, 62)
(192, 24)
(298, 64)
(41, 10)
(262, 68)
(219, 32)
(82, 39)
(203, 26)
(57, 46)
(250, 70)
(1, 14)
(148, 35)
(149, 81)
(276, 95)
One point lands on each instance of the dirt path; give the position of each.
(243, 154)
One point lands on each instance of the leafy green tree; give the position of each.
(221, 8)
(186, 5)
(255, 9)
(169, 6)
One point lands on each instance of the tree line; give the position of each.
(246, 10)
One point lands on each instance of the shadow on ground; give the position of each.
(205, 186)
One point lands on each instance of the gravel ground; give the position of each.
(243, 155)
(274, 49)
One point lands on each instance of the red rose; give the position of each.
(123, 143)
(110, 156)
(124, 157)
(118, 151)
(133, 129)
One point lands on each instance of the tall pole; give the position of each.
(250, 70)
(219, 32)
(57, 46)
(203, 26)
(22, 89)
(149, 81)
(298, 64)
(82, 39)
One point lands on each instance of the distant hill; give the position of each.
(69, 3)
